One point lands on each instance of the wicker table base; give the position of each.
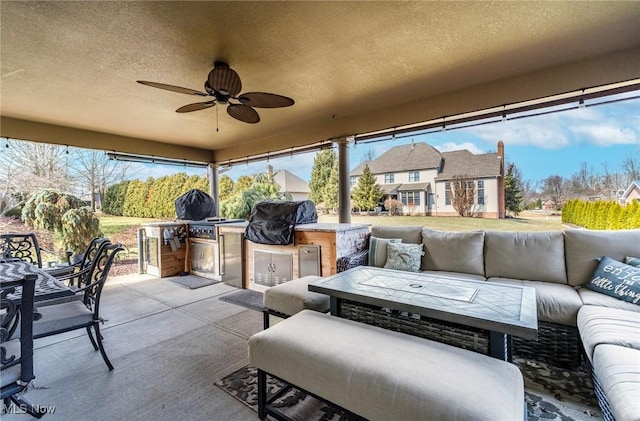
(476, 340)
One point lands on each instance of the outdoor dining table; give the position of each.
(47, 286)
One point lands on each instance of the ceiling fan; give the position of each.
(224, 85)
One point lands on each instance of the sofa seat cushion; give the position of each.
(556, 303)
(584, 246)
(535, 256)
(602, 325)
(294, 296)
(618, 372)
(384, 375)
(455, 275)
(453, 251)
(409, 234)
(593, 298)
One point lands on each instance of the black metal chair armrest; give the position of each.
(360, 258)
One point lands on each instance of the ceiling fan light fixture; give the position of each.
(225, 80)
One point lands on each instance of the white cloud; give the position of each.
(452, 146)
(606, 134)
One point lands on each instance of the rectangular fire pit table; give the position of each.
(476, 315)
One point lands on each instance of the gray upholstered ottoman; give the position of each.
(292, 297)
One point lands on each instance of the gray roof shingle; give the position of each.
(467, 164)
(400, 158)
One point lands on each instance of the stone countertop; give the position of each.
(330, 227)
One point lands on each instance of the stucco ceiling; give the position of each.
(69, 68)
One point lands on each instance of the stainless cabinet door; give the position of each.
(203, 258)
(281, 267)
(262, 268)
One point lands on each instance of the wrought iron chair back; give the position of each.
(93, 282)
(22, 246)
(16, 355)
(80, 271)
(68, 316)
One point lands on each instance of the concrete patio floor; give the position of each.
(165, 342)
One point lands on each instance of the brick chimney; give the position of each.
(501, 205)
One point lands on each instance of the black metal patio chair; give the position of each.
(25, 247)
(17, 352)
(72, 315)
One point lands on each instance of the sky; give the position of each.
(540, 146)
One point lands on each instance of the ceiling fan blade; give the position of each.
(265, 100)
(224, 79)
(172, 88)
(196, 106)
(243, 113)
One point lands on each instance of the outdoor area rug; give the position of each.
(550, 394)
(192, 281)
(246, 298)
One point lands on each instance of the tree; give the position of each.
(553, 187)
(28, 167)
(240, 204)
(367, 193)
(369, 155)
(631, 168)
(244, 182)
(512, 192)
(330, 195)
(225, 187)
(463, 192)
(320, 174)
(95, 172)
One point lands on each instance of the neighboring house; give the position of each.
(290, 183)
(418, 175)
(631, 193)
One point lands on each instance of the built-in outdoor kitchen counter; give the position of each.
(315, 251)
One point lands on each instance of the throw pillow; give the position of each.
(616, 279)
(633, 261)
(378, 250)
(402, 256)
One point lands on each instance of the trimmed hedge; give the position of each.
(602, 215)
(153, 198)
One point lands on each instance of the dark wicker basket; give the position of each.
(449, 333)
(557, 344)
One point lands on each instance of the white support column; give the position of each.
(344, 193)
(212, 171)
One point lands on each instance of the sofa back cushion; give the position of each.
(408, 234)
(534, 256)
(453, 251)
(584, 246)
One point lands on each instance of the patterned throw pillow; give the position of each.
(633, 261)
(616, 279)
(378, 250)
(404, 256)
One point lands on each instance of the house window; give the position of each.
(447, 193)
(414, 176)
(388, 178)
(411, 198)
(481, 192)
(354, 181)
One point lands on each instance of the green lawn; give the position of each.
(528, 221)
(124, 229)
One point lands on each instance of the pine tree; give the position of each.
(331, 193)
(320, 174)
(367, 192)
(512, 194)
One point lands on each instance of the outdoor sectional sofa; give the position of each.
(558, 265)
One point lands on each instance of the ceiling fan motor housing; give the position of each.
(224, 80)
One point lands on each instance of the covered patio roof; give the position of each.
(69, 69)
